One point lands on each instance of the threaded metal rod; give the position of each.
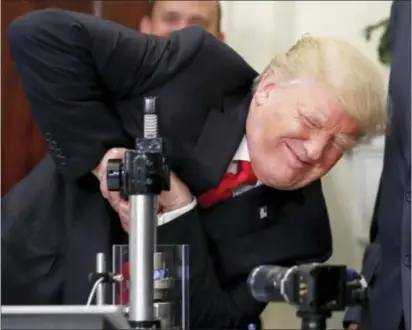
(150, 118)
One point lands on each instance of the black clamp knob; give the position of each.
(114, 174)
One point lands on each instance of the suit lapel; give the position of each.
(217, 143)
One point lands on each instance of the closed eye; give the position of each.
(311, 123)
(343, 142)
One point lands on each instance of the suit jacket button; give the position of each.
(52, 145)
(407, 260)
(62, 160)
(408, 196)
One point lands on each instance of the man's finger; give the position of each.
(125, 224)
(103, 188)
(116, 153)
(114, 199)
(123, 207)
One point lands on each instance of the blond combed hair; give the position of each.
(353, 78)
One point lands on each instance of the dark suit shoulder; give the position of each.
(214, 59)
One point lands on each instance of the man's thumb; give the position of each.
(117, 153)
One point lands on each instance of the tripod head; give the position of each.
(316, 290)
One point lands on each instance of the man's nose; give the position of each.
(316, 146)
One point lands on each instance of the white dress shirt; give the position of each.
(242, 153)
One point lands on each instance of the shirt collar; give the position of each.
(242, 152)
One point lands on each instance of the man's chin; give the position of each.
(284, 185)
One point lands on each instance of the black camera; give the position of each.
(316, 290)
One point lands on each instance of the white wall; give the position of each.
(260, 29)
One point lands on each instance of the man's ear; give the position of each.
(265, 86)
(146, 25)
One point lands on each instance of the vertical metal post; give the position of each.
(144, 175)
(141, 249)
(101, 288)
(142, 235)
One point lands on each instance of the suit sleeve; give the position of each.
(370, 262)
(75, 68)
(353, 314)
(211, 306)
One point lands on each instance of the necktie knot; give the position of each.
(246, 173)
(229, 183)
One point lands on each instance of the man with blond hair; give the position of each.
(246, 152)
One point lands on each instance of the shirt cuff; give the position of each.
(166, 217)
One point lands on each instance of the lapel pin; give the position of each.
(263, 212)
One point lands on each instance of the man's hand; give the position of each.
(352, 326)
(177, 197)
(113, 197)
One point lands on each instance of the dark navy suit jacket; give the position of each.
(387, 261)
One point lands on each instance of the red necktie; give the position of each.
(229, 182)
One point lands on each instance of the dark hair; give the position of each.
(219, 12)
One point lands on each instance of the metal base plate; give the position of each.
(63, 317)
